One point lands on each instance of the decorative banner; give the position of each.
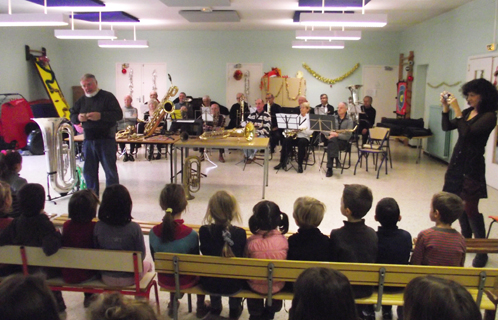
(328, 80)
(443, 83)
(401, 100)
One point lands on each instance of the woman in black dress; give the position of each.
(466, 171)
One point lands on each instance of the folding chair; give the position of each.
(378, 143)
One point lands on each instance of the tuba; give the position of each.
(60, 157)
(165, 107)
(191, 176)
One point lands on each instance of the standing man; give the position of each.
(272, 108)
(98, 111)
(367, 118)
(262, 125)
(130, 115)
(236, 115)
(324, 108)
(338, 141)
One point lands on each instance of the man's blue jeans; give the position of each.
(103, 151)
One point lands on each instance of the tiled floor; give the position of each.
(411, 184)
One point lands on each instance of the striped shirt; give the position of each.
(439, 247)
(262, 122)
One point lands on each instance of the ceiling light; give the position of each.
(343, 20)
(318, 44)
(32, 19)
(84, 34)
(123, 43)
(327, 35)
(207, 9)
(332, 4)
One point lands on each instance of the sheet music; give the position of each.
(323, 123)
(287, 121)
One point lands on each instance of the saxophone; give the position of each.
(165, 107)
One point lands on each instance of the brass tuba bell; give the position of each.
(191, 176)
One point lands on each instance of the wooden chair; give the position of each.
(378, 145)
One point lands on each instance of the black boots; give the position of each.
(465, 226)
(479, 230)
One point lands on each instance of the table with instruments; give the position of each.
(231, 143)
(162, 140)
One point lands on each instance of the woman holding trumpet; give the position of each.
(299, 138)
(465, 176)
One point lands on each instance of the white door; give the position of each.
(252, 73)
(379, 82)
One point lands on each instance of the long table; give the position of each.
(231, 143)
(162, 140)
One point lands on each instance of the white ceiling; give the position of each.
(254, 14)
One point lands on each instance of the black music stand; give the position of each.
(322, 122)
(287, 121)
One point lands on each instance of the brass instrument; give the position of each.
(60, 157)
(248, 132)
(292, 132)
(129, 133)
(341, 130)
(166, 106)
(191, 176)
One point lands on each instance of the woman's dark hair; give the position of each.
(27, 297)
(8, 162)
(31, 199)
(487, 91)
(173, 201)
(266, 216)
(322, 294)
(82, 207)
(432, 298)
(116, 205)
(115, 306)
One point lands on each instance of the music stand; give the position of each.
(322, 123)
(287, 121)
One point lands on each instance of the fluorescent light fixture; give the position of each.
(123, 43)
(85, 34)
(33, 19)
(327, 35)
(343, 20)
(318, 44)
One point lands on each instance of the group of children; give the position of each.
(354, 242)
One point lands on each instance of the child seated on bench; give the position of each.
(34, 228)
(268, 225)
(173, 236)
(441, 245)
(448, 300)
(309, 243)
(218, 237)
(77, 232)
(116, 231)
(322, 294)
(355, 242)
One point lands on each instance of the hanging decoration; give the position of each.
(237, 75)
(154, 78)
(124, 66)
(328, 80)
(246, 84)
(401, 102)
(130, 76)
(443, 84)
(301, 80)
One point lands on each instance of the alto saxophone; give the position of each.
(166, 106)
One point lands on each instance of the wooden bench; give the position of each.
(481, 283)
(90, 259)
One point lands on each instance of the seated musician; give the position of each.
(236, 116)
(299, 138)
(262, 124)
(367, 118)
(338, 141)
(217, 124)
(273, 109)
(130, 115)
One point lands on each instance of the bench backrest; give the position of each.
(286, 270)
(91, 259)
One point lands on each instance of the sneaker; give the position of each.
(368, 315)
(278, 167)
(157, 157)
(125, 157)
(203, 310)
(300, 169)
(131, 158)
(329, 172)
(89, 299)
(222, 160)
